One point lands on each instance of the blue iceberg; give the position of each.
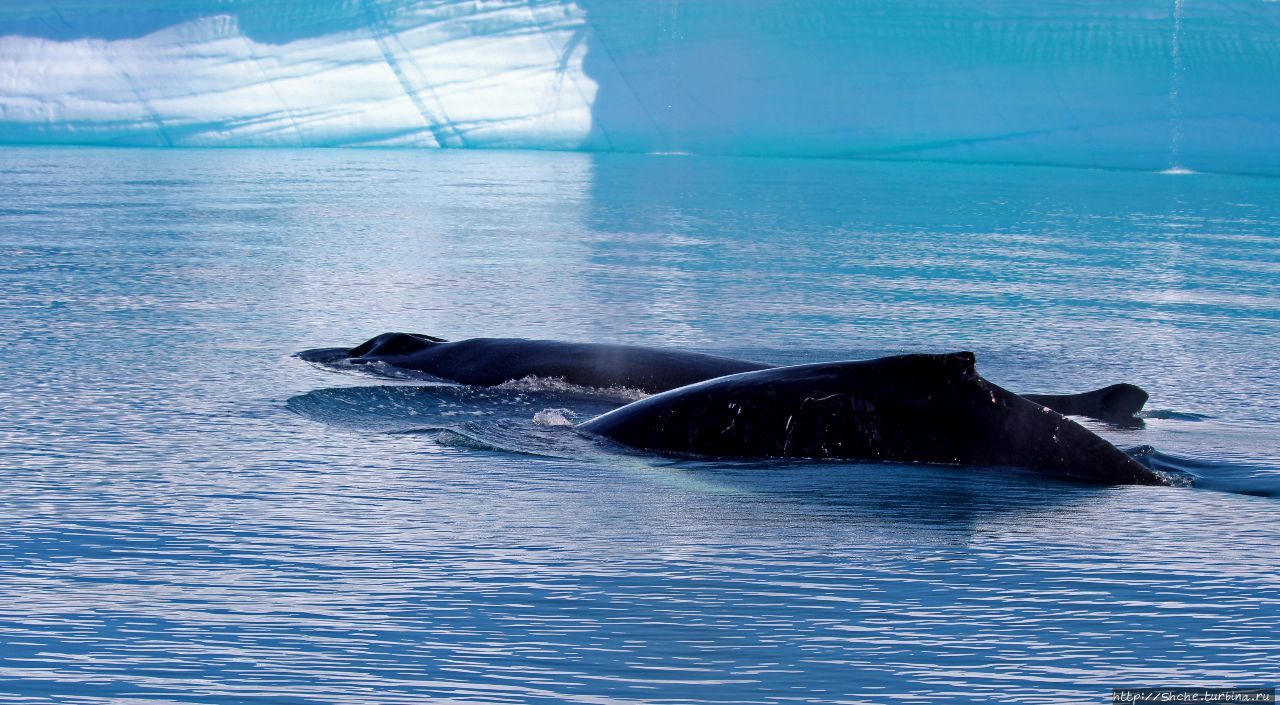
(1174, 84)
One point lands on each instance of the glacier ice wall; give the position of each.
(1140, 84)
(303, 72)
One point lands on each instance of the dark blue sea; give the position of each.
(189, 514)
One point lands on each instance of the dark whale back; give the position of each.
(488, 362)
(1118, 402)
(393, 345)
(909, 408)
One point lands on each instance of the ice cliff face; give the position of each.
(443, 74)
(1116, 83)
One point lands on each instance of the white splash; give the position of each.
(554, 417)
(533, 383)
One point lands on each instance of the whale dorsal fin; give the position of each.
(963, 362)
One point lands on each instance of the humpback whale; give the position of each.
(904, 409)
(488, 362)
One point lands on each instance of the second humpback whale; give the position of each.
(488, 362)
(905, 409)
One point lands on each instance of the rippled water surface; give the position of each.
(190, 515)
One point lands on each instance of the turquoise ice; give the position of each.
(1152, 85)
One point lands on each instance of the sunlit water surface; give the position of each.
(190, 515)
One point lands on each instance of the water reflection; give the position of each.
(174, 532)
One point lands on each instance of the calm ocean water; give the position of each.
(190, 515)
